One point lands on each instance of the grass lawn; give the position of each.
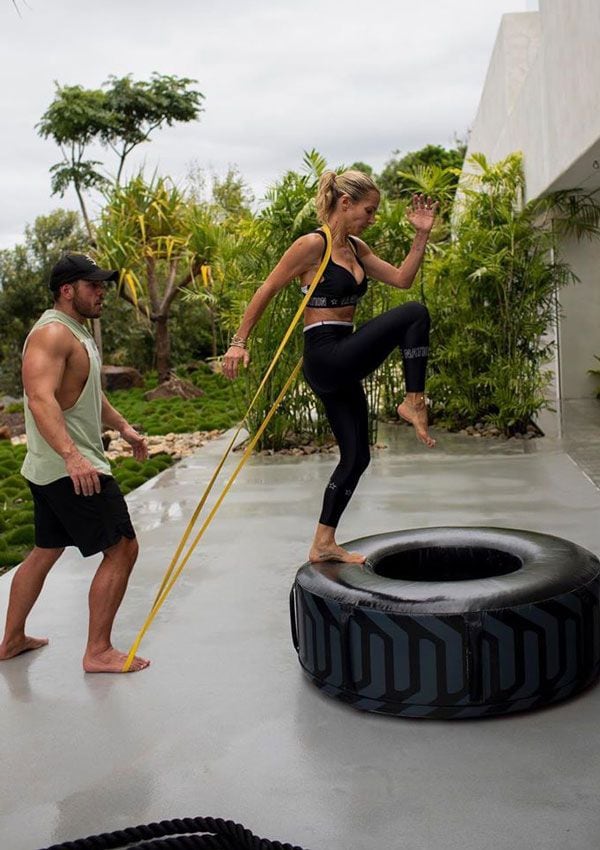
(217, 408)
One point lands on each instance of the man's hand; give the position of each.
(85, 477)
(136, 441)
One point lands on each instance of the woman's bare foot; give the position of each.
(9, 649)
(112, 661)
(415, 412)
(333, 552)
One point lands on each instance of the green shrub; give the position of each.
(12, 556)
(218, 408)
(129, 463)
(8, 493)
(21, 516)
(15, 407)
(129, 482)
(14, 480)
(23, 535)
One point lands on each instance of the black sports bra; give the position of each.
(338, 286)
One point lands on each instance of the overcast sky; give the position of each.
(356, 80)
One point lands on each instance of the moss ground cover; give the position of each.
(217, 408)
(16, 507)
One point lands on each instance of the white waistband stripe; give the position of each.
(318, 324)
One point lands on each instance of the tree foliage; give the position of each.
(398, 176)
(119, 116)
(24, 293)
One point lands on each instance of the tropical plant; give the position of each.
(288, 213)
(398, 176)
(162, 244)
(492, 296)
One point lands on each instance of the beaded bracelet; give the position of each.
(238, 341)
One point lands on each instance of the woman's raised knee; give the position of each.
(418, 312)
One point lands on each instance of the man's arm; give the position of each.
(44, 364)
(114, 420)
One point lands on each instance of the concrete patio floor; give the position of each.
(224, 723)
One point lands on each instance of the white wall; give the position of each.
(542, 97)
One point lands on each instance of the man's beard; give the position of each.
(84, 310)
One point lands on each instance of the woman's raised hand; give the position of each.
(421, 212)
(235, 355)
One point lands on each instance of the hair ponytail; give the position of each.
(327, 195)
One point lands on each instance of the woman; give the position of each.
(336, 357)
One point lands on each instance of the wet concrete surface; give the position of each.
(223, 723)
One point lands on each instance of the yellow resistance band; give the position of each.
(174, 570)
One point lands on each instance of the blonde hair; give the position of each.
(332, 186)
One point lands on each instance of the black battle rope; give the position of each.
(217, 834)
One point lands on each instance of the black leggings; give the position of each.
(336, 360)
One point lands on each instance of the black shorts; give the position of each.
(92, 523)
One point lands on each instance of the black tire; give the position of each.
(451, 622)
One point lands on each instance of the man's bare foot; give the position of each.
(10, 649)
(416, 414)
(333, 552)
(112, 661)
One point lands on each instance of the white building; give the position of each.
(542, 97)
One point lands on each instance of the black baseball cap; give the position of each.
(72, 267)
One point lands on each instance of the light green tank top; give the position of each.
(42, 464)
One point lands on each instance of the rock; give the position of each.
(15, 422)
(174, 388)
(5, 432)
(176, 445)
(121, 378)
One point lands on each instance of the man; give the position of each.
(76, 500)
